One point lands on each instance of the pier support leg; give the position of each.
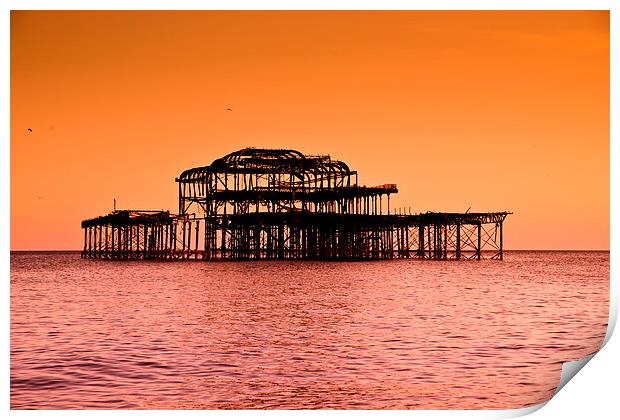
(196, 244)
(501, 240)
(479, 250)
(458, 241)
(189, 239)
(421, 241)
(112, 239)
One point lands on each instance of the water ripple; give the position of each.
(301, 335)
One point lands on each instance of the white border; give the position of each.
(592, 394)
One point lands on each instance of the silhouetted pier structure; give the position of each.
(281, 204)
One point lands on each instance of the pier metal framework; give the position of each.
(281, 204)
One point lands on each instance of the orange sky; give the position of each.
(489, 110)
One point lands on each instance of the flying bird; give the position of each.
(228, 109)
(30, 130)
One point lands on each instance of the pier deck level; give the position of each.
(281, 204)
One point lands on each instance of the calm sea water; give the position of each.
(303, 335)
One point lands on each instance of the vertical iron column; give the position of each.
(421, 241)
(478, 251)
(458, 240)
(197, 229)
(501, 240)
(189, 239)
(112, 250)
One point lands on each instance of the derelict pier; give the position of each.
(282, 204)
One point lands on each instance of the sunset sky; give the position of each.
(497, 111)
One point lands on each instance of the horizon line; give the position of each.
(509, 250)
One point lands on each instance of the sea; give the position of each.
(395, 334)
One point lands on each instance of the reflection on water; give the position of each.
(386, 334)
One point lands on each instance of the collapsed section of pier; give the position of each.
(282, 204)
